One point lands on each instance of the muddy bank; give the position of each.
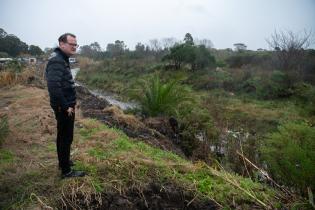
(156, 132)
(153, 197)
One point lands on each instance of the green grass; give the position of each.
(114, 162)
(51, 147)
(6, 156)
(98, 153)
(130, 161)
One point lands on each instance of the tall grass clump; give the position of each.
(161, 98)
(15, 73)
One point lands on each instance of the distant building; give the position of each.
(72, 60)
(32, 60)
(3, 61)
(240, 47)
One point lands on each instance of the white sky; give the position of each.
(224, 22)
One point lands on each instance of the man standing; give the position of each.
(63, 100)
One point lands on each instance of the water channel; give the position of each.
(111, 98)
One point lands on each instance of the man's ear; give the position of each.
(61, 44)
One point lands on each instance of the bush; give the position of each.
(268, 86)
(14, 66)
(304, 95)
(237, 61)
(195, 120)
(214, 80)
(290, 155)
(158, 98)
(221, 63)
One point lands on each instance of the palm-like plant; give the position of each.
(157, 98)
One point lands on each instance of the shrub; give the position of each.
(221, 63)
(304, 95)
(14, 66)
(304, 92)
(214, 80)
(9, 77)
(158, 98)
(194, 121)
(237, 61)
(268, 86)
(290, 155)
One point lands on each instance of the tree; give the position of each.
(187, 52)
(176, 55)
(95, 46)
(188, 39)
(155, 45)
(196, 56)
(116, 49)
(139, 47)
(11, 44)
(205, 42)
(93, 50)
(289, 50)
(86, 50)
(35, 50)
(139, 50)
(203, 57)
(3, 33)
(167, 43)
(48, 50)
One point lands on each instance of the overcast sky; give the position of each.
(224, 22)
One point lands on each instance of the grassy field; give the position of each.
(118, 167)
(235, 109)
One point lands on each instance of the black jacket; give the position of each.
(60, 82)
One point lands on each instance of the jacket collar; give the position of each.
(63, 55)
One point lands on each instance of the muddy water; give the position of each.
(111, 98)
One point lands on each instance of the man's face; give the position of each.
(69, 47)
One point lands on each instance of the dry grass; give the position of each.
(85, 62)
(123, 118)
(8, 77)
(32, 167)
(77, 193)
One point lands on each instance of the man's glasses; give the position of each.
(73, 45)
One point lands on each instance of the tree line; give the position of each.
(12, 46)
(177, 53)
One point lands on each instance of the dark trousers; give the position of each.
(65, 125)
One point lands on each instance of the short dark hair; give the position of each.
(63, 37)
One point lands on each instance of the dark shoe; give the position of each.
(71, 164)
(73, 173)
